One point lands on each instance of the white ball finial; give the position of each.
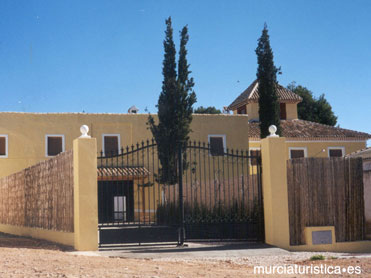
(272, 130)
(84, 129)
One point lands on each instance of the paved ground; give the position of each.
(197, 250)
(24, 257)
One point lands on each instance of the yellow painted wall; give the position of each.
(85, 194)
(315, 148)
(291, 111)
(352, 246)
(26, 132)
(276, 213)
(252, 109)
(85, 235)
(235, 111)
(64, 238)
(146, 200)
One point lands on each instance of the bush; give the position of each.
(168, 214)
(317, 258)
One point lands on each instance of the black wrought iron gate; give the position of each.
(221, 196)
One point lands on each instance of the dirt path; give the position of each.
(21, 257)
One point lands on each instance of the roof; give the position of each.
(251, 94)
(364, 153)
(79, 114)
(305, 130)
(127, 172)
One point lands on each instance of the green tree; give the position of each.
(207, 110)
(174, 106)
(269, 109)
(313, 109)
(324, 110)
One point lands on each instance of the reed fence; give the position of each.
(326, 192)
(40, 196)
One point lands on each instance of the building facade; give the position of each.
(303, 138)
(28, 138)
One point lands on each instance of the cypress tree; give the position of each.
(174, 106)
(269, 109)
(186, 95)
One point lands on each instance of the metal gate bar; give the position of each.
(218, 197)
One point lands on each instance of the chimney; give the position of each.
(133, 110)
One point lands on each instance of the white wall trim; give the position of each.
(336, 148)
(6, 146)
(252, 92)
(118, 141)
(319, 141)
(219, 135)
(328, 141)
(46, 143)
(300, 149)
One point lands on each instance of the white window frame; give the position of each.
(336, 148)
(46, 143)
(6, 145)
(298, 149)
(218, 135)
(116, 205)
(118, 142)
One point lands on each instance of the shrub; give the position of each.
(317, 258)
(168, 213)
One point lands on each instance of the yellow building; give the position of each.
(303, 138)
(27, 138)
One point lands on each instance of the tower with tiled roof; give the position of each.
(248, 102)
(304, 138)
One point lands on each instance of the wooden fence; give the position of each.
(40, 196)
(326, 192)
(367, 189)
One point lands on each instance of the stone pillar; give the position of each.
(85, 194)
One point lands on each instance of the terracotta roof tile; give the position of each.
(364, 153)
(310, 130)
(251, 94)
(129, 171)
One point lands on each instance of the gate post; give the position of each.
(275, 198)
(85, 193)
(181, 201)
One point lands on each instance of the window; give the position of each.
(254, 152)
(54, 144)
(283, 115)
(3, 146)
(217, 145)
(119, 208)
(111, 144)
(241, 110)
(336, 151)
(297, 152)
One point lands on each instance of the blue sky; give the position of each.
(104, 56)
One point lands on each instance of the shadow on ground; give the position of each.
(195, 250)
(13, 241)
(199, 247)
